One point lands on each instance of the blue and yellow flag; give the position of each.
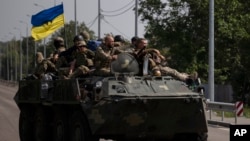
(46, 22)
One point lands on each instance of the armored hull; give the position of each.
(120, 107)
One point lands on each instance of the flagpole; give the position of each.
(44, 48)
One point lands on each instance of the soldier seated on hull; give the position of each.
(155, 62)
(104, 55)
(43, 66)
(83, 61)
(66, 57)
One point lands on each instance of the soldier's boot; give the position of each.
(192, 78)
(156, 72)
(193, 75)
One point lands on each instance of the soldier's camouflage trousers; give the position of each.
(81, 70)
(102, 72)
(174, 73)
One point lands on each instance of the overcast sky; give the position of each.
(14, 11)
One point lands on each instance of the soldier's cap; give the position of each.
(81, 44)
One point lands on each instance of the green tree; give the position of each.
(67, 33)
(174, 26)
(182, 26)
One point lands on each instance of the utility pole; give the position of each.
(136, 17)
(75, 19)
(211, 50)
(99, 19)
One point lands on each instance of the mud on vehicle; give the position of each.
(120, 107)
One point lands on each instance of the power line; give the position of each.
(92, 22)
(115, 28)
(119, 13)
(119, 8)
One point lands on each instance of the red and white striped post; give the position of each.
(239, 108)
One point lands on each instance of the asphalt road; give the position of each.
(9, 115)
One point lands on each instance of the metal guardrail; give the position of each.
(221, 106)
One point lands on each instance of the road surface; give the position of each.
(9, 115)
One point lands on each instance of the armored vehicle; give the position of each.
(123, 106)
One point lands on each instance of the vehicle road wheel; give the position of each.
(61, 125)
(79, 130)
(43, 130)
(202, 137)
(26, 122)
(191, 137)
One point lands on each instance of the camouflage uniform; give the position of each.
(82, 62)
(103, 58)
(43, 66)
(159, 69)
(67, 56)
(155, 61)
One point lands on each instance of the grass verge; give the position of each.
(246, 113)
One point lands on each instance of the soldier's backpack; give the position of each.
(93, 44)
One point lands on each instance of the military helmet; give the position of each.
(133, 39)
(119, 38)
(78, 38)
(58, 42)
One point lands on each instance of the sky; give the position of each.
(119, 17)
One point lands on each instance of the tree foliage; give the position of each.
(68, 33)
(182, 26)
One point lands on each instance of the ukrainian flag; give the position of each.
(47, 21)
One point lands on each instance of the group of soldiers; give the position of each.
(81, 60)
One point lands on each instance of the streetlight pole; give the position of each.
(1, 60)
(21, 57)
(8, 65)
(15, 59)
(11, 64)
(7, 60)
(27, 48)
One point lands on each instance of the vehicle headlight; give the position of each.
(98, 84)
